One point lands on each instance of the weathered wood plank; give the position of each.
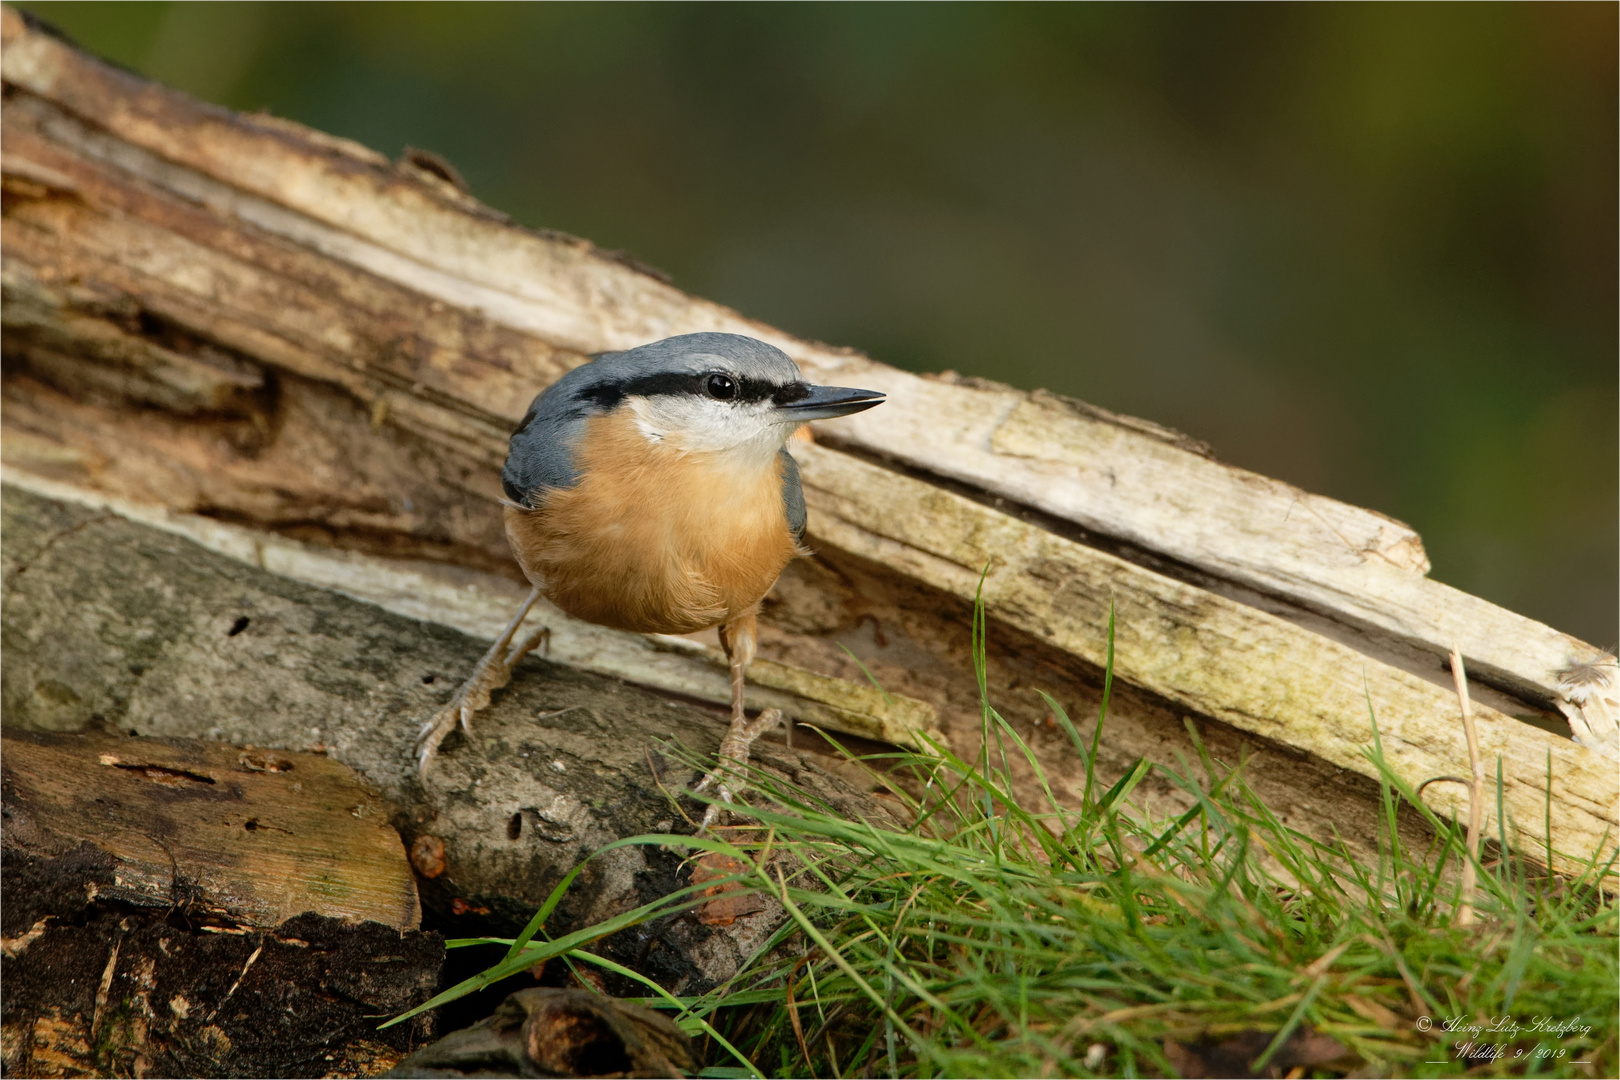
(1149, 490)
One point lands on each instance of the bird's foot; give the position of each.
(729, 770)
(494, 671)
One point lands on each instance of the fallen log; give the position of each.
(137, 633)
(481, 604)
(232, 317)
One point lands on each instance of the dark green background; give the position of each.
(1370, 249)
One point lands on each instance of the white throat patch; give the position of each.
(749, 434)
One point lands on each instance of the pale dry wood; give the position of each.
(1257, 672)
(1591, 703)
(1122, 478)
(1476, 794)
(251, 837)
(1147, 488)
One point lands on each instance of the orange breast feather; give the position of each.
(654, 539)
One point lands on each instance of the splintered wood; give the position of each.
(1224, 659)
(217, 316)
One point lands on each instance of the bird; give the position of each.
(651, 490)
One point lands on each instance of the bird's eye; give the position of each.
(721, 387)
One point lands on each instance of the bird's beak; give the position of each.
(826, 402)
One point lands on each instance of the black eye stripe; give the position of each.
(753, 391)
(787, 395)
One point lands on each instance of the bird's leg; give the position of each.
(492, 672)
(737, 638)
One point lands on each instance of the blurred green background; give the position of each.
(1369, 249)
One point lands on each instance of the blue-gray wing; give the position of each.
(793, 497)
(540, 454)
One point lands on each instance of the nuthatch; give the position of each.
(652, 491)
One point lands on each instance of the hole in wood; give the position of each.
(575, 1042)
(427, 680)
(164, 775)
(238, 626)
(514, 827)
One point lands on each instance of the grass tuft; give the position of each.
(993, 938)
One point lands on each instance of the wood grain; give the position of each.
(244, 837)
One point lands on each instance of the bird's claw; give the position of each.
(733, 759)
(494, 671)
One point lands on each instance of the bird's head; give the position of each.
(715, 393)
(720, 394)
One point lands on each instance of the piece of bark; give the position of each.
(117, 625)
(97, 981)
(240, 837)
(554, 1032)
